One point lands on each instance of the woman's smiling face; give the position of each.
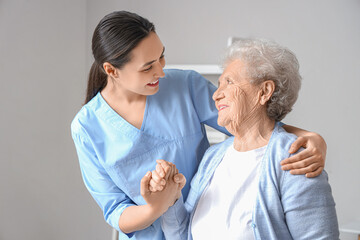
(236, 98)
(141, 75)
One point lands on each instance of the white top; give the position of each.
(225, 208)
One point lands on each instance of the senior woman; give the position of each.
(240, 191)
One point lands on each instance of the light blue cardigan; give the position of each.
(287, 206)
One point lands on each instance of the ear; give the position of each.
(110, 70)
(266, 90)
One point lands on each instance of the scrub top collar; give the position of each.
(109, 115)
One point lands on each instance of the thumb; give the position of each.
(144, 184)
(180, 179)
(295, 146)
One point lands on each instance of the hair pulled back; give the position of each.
(116, 35)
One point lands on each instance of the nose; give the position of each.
(159, 72)
(218, 94)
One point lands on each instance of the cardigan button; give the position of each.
(253, 225)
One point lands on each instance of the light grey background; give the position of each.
(45, 57)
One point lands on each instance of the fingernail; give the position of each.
(176, 178)
(163, 182)
(148, 174)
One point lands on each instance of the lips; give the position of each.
(222, 106)
(153, 84)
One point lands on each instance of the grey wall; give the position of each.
(45, 56)
(42, 72)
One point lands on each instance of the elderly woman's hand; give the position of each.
(161, 175)
(311, 161)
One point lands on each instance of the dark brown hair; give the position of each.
(116, 35)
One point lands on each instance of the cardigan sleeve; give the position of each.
(175, 221)
(309, 207)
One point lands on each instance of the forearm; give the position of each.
(135, 218)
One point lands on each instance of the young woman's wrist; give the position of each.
(156, 211)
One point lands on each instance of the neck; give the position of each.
(115, 94)
(253, 133)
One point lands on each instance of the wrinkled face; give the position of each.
(141, 75)
(236, 99)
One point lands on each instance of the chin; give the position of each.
(221, 123)
(152, 92)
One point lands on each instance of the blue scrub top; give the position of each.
(114, 155)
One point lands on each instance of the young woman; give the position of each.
(135, 113)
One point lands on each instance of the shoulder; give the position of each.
(279, 146)
(180, 72)
(280, 143)
(281, 136)
(84, 118)
(276, 151)
(189, 77)
(182, 84)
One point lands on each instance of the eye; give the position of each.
(147, 69)
(228, 81)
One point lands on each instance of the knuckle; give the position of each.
(314, 167)
(302, 164)
(290, 166)
(300, 139)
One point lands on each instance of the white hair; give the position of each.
(267, 60)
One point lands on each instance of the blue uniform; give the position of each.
(114, 155)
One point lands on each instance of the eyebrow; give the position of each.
(220, 80)
(149, 63)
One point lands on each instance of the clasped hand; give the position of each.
(162, 187)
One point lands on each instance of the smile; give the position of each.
(221, 107)
(153, 84)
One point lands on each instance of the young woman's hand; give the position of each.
(160, 201)
(310, 161)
